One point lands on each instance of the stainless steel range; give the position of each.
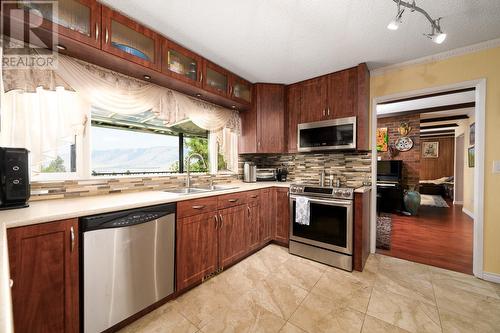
(328, 236)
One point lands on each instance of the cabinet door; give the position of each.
(267, 216)
(282, 215)
(196, 249)
(247, 142)
(215, 79)
(129, 40)
(232, 244)
(293, 115)
(44, 268)
(253, 225)
(313, 100)
(241, 90)
(270, 118)
(342, 94)
(181, 63)
(77, 19)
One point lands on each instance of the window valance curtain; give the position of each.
(115, 92)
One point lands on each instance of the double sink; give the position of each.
(194, 190)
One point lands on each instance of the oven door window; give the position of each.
(330, 136)
(328, 224)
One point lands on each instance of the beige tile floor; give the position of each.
(273, 291)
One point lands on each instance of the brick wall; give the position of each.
(411, 158)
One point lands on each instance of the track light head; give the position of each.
(437, 35)
(394, 24)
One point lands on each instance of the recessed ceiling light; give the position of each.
(147, 77)
(61, 47)
(233, 106)
(198, 95)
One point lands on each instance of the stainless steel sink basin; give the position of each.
(193, 190)
(219, 187)
(187, 190)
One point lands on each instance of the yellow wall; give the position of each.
(478, 65)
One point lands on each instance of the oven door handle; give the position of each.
(344, 203)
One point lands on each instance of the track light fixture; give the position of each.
(437, 35)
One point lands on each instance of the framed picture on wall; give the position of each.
(430, 149)
(471, 157)
(382, 139)
(472, 134)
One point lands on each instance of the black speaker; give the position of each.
(14, 178)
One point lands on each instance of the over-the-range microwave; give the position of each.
(335, 134)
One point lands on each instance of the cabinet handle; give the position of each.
(97, 31)
(328, 112)
(233, 200)
(72, 238)
(221, 220)
(253, 196)
(230, 90)
(248, 208)
(11, 283)
(107, 36)
(201, 77)
(198, 207)
(216, 221)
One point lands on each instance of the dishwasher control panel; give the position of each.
(126, 218)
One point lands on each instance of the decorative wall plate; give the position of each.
(404, 143)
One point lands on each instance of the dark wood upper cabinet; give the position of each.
(181, 63)
(44, 269)
(313, 100)
(215, 79)
(125, 38)
(341, 94)
(363, 108)
(263, 127)
(240, 89)
(76, 19)
(293, 101)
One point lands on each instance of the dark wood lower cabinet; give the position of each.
(267, 216)
(253, 225)
(282, 211)
(44, 268)
(232, 234)
(361, 230)
(197, 244)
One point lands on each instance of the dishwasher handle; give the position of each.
(125, 218)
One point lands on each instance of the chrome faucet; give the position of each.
(188, 179)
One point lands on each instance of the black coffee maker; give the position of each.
(14, 178)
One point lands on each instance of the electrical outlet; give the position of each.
(496, 166)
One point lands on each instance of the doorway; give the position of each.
(478, 89)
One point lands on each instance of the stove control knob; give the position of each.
(346, 194)
(338, 192)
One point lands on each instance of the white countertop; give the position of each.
(60, 209)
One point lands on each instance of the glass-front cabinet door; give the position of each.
(76, 19)
(215, 79)
(181, 63)
(241, 90)
(127, 39)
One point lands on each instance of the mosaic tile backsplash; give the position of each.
(353, 169)
(97, 186)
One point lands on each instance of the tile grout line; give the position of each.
(435, 300)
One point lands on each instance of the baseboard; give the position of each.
(492, 277)
(458, 202)
(468, 212)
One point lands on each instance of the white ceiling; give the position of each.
(285, 41)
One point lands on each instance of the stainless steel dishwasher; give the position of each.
(128, 263)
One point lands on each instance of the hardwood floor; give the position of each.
(440, 237)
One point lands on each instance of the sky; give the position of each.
(106, 139)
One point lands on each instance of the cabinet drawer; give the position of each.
(253, 196)
(231, 200)
(196, 206)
